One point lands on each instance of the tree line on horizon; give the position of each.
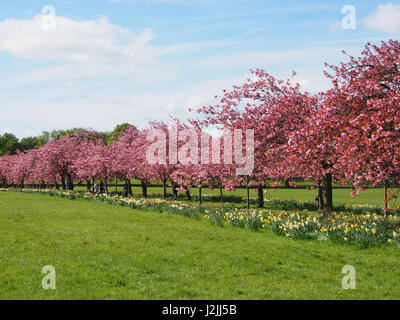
(10, 144)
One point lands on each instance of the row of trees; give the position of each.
(10, 144)
(348, 133)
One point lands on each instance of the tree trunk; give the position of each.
(63, 183)
(116, 186)
(70, 183)
(248, 196)
(327, 192)
(129, 186)
(200, 195)
(144, 188)
(164, 188)
(221, 196)
(260, 196)
(320, 198)
(187, 191)
(386, 185)
(88, 186)
(286, 183)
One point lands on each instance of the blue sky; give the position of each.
(113, 61)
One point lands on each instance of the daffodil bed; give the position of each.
(364, 230)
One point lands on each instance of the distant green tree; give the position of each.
(57, 134)
(28, 143)
(44, 138)
(118, 131)
(8, 144)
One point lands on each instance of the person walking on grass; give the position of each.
(126, 193)
(175, 187)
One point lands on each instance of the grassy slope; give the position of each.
(109, 252)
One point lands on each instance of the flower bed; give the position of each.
(363, 230)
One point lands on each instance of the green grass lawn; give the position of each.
(102, 251)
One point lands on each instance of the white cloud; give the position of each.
(192, 47)
(74, 40)
(386, 18)
(311, 58)
(193, 102)
(255, 30)
(335, 27)
(170, 107)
